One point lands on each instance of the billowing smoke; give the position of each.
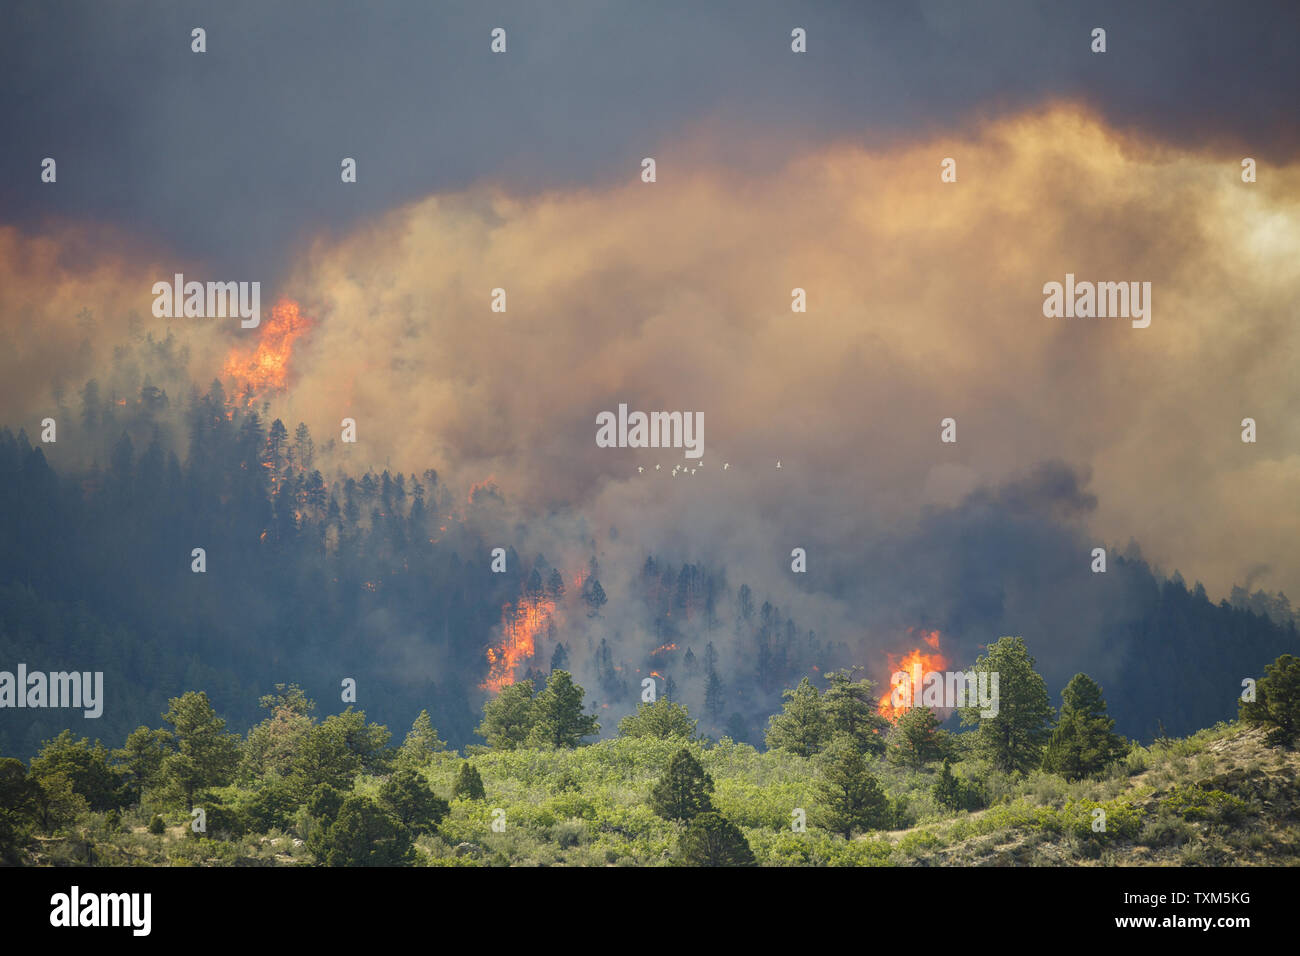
(924, 303)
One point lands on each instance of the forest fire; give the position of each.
(521, 623)
(916, 664)
(663, 649)
(487, 486)
(266, 367)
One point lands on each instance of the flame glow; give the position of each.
(265, 368)
(916, 663)
(521, 623)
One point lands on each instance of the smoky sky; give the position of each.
(231, 158)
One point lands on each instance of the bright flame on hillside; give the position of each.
(521, 623)
(916, 664)
(265, 368)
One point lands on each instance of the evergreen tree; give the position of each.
(683, 791)
(851, 711)
(916, 738)
(469, 784)
(363, 834)
(849, 797)
(1277, 701)
(596, 598)
(206, 755)
(558, 720)
(713, 697)
(711, 839)
(1084, 741)
(1013, 739)
(407, 796)
(508, 718)
(421, 742)
(801, 728)
(85, 766)
(955, 793)
(555, 585)
(662, 719)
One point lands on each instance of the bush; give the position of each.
(1213, 806)
(156, 826)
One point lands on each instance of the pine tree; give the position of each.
(712, 840)
(1277, 701)
(661, 720)
(801, 728)
(916, 738)
(558, 720)
(421, 742)
(508, 718)
(683, 791)
(408, 797)
(469, 785)
(851, 711)
(1084, 740)
(1013, 738)
(555, 585)
(713, 699)
(849, 797)
(596, 598)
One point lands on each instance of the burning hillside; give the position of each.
(265, 368)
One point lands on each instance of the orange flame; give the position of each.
(663, 648)
(916, 664)
(265, 368)
(521, 623)
(488, 484)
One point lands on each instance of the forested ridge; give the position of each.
(314, 574)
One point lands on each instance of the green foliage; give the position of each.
(850, 712)
(1121, 820)
(206, 754)
(469, 784)
(508, 717)
(802, 727)
(337, 749)
(710, 840)
(662, 719)
(85, 765)
(19, 807)
(1213, 806)
(957, 793)
(1083, 742)
(325, 802)
(1014, 738)
(916, 739)
(557, 717)
(408, 797)
(1277, 701)
(362, 834)
(421, 743)
(139, 762)
(273, 745)
(683, 791)
(157, 826)
(849, 798)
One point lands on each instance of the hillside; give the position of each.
(1219, 797)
